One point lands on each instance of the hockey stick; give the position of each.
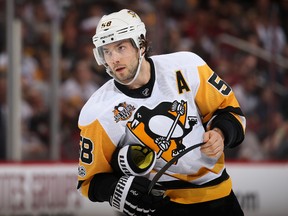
(169, 163)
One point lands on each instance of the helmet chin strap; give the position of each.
(108, 70)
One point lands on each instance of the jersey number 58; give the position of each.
(86, 155)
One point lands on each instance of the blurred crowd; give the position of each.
(260, 85)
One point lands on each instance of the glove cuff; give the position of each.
(120, 192)
(126, 160)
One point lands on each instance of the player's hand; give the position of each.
(214, 143)
(131, 196)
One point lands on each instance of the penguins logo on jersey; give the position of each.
(163, 128)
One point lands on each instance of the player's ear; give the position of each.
(142, 50)
(143, 44)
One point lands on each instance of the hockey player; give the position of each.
(152, 110)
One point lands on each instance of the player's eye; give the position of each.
(107, 52)
(121, 48)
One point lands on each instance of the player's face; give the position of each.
(122, 58)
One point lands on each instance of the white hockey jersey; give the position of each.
(179, 105)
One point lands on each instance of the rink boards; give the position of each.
(50, 189)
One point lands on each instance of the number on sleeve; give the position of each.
(86, 155)
(219, 84)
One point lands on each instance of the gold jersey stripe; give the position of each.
(198, 195)
(209, 100)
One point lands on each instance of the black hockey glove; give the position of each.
(131, 196)
(133, 160)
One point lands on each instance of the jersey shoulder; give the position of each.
(97, 104)
(179, 58)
